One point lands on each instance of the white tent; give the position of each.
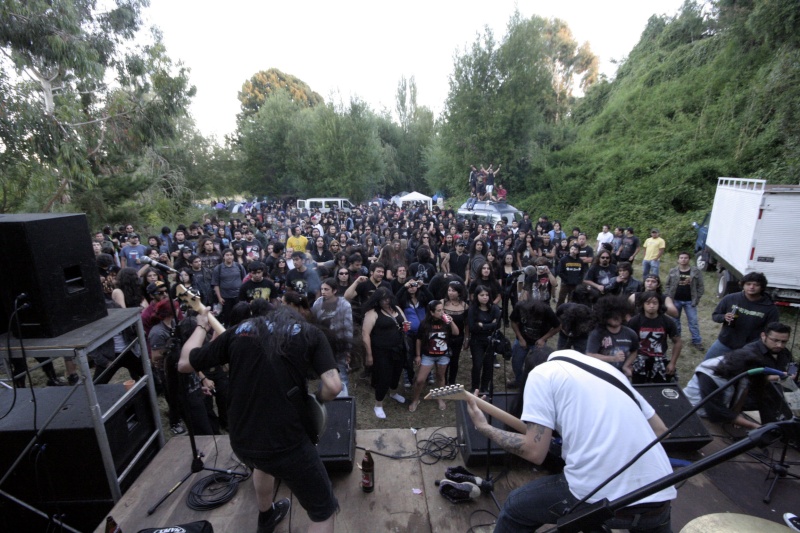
(415, 197)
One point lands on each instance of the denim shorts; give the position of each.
(303, 472)
(440, 360)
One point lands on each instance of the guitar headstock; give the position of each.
(191, 297)
(450, 392)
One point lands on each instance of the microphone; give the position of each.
(155, 264)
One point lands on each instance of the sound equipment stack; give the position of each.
(473, 444)
(670, 404)
(337, 446)
(49, 258)
(64, 471)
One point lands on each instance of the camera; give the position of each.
(540, 269)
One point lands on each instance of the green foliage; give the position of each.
(265, 83)
(699, 97)
(64, 130)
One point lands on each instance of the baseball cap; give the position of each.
(155, 287)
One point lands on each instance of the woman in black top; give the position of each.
(486, 279)
(483, 321)
(382, 333)
(455, 305)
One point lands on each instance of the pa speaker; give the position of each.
(64, 471)
(671, 404)
(49, 258)
(475, 448)
(337, 445)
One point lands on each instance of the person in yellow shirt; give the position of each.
(654, 248)
(298, 241)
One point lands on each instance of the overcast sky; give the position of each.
(361, 48)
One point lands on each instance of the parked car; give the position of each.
(489, 211)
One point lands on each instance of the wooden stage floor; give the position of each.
(406, 498)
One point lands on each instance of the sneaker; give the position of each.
(73, 379)
(431, 379)
(269, 519)
(56, 382)
(698, 346)
(379, 412)
(497, 365)
(407, 385)
(792, 521)
(396, 397)
(178, 429)
(512, 384)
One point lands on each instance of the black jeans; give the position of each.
(482, 363)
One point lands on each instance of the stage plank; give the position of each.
(392, 506)
(735, 487)
(164, 472)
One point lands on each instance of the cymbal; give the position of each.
(732, 523)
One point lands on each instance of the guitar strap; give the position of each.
(605, 376)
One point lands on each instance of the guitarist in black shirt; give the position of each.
(266, 429)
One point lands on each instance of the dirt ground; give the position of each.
(428, 414)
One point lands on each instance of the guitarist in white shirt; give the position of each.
(602, 428)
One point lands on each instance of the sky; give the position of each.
(360, 48)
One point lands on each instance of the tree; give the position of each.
(64, 128)
(261, 85)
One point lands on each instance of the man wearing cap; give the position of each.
(457, 260)
(654, 247)
(157, 292)
(132, 251)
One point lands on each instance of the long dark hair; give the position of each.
(128, 282)
(374, 302)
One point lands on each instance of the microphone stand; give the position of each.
(592, 516)
(197, 464)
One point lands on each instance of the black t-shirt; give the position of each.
(533, 327)
(653, 334)
(250, 290)
(683, 292)
(263, 421)
(458, 264)
(627, 247)
(434, 339)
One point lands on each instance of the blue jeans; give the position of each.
(344, 378)
(716, 350)
(545, 499)
(691, 319)
(650, 266)
(518, 354)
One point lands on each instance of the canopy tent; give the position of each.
(415, 197)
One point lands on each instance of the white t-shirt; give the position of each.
(604, 237)
(601, 427)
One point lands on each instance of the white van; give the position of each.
(325, 205)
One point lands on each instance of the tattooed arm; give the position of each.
(532, 446)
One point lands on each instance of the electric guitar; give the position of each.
(316, 416)
(457, 392)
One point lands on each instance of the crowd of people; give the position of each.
(402, 293)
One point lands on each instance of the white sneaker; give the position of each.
(396, 397)
(792, 521)
(497, 365)
(379, 412)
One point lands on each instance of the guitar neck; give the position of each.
(215, 325)
(496, 412)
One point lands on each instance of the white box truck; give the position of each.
(753, 227)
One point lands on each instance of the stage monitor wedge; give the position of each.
(49, 258)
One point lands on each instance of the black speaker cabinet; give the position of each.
(473, 444)
(337, 446)
(670, 404)
(64, 471)
(50, 259)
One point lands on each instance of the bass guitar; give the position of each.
(457, 392)
(315, 416)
